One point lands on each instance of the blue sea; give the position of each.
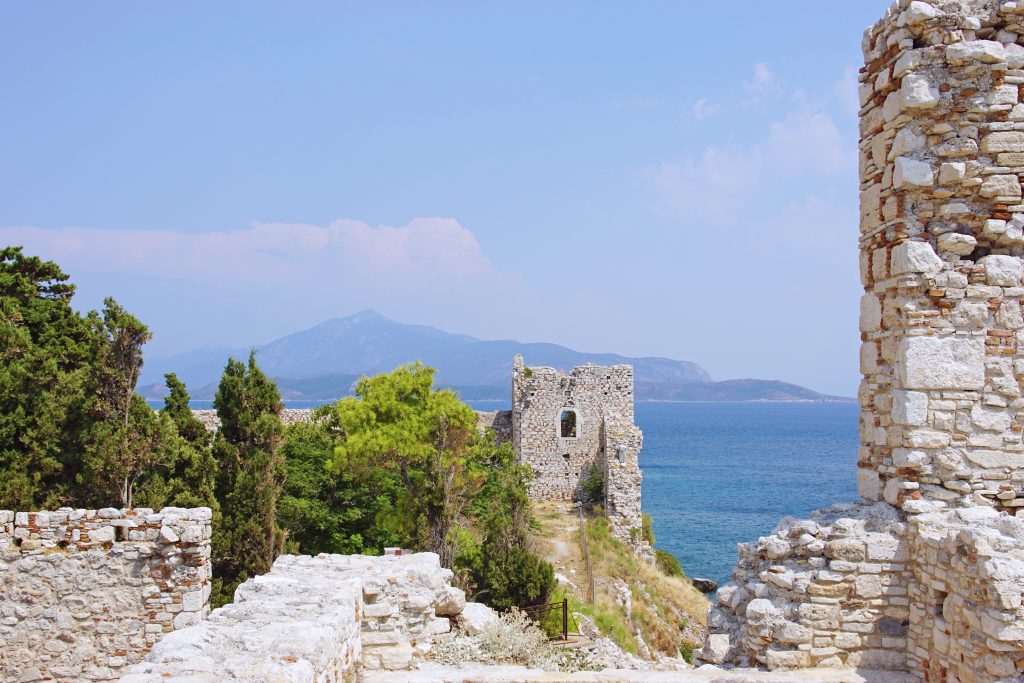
(717, 474)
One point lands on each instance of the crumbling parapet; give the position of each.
(85, 592)
(941, 459)
(314, 620)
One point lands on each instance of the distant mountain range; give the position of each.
(325, 362)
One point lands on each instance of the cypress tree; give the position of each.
(250, 476)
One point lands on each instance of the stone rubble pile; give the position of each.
(314, 619)
(85, 592)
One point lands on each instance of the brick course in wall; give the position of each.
(85, 592)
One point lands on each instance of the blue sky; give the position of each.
(651, 178)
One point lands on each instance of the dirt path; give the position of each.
(558, 541)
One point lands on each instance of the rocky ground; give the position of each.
(469, 673)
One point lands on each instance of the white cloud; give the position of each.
(433, 253)
(763, 81)
(845, 91)
(702, 109)
(724, 180)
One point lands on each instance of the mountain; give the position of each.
(325, 361)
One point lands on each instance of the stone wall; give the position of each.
(605, 437)
(314, 619)
(941, 154)
(539, 395)
(498, 421)
(828, 591)
(85, 592)
(941, 461)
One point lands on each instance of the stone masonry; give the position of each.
(927, 573)
(85, 592)
(314, 619)
(603, 436)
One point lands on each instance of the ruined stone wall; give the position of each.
(314, 619)
(828, 591)
(498, 421)
(539, 395)
(85, 592)
(941, 460)
(941, 154)
(621, 442)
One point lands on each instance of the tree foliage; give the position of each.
(250, 475)
(45, 357)
(400, 424)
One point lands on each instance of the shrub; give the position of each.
(668, 563)
(647, 526)
(593, 485)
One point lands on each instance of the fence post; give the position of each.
(565, 619)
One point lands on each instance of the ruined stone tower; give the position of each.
(566, 424)
(925, 574)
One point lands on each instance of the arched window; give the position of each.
(567, 424)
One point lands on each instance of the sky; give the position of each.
(649, 178)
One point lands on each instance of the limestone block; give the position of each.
(918, 12)
(1003, 141)
(1000, 186)
(955, 243)
(987, 51)
(909, 457)
(1014, 56)
(992, 459)
(475, 616)
(952, 172)
(907, 140)
(716, 648)
(917, 93)
(915, 257)
(909, 407)
(870, 313)
(992, 419)
(911, 173)
(908, 61)
(787, 659)
(868, 484)
(1002, 270)
(941, 363)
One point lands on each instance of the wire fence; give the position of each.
(589, 595)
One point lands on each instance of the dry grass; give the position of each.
(668, 611)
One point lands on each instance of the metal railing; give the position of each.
(538, 611)
(586, 559)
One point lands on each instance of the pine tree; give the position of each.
(250, 476)
(45, 357)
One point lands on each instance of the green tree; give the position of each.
(250, 475)
(399, 423)
(125, 440)
(188, 475)
(45, 357)
(333, 513)
(504, 569)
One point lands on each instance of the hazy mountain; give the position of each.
(325, 361)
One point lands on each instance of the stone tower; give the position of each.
(926, 573)
(564, 425)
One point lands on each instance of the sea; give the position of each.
(716, 474)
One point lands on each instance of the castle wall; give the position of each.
(314, 620)
(83, 593)
(539, 395)
(926, 575)
(941, 155)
